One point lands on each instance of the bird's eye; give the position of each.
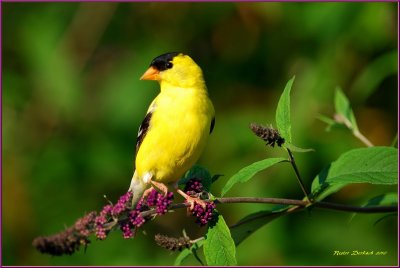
(168, 65)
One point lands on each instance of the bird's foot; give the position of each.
(161, 187)
(192, 200)
(147, 192)
(158, 186)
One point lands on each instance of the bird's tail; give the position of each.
(137, 188)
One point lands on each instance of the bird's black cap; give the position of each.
(163, 62)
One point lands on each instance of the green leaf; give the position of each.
(187, 252)
(331, 123)
(248, 172)
(381, 200)
(391, 215)
(282, 116)
(216, 177)
(375, 165)
(296, 149)
(182, 256)
(251, 223)
(373, 75)
(198, 172)
(219, 247)
(395, 141)
(326, 119)
(343, 109)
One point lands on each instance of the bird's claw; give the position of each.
(147, 192)
(195, 200)
(160, 186)
(192, 200)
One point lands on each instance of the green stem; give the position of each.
(362, 138)
(298, 204)
(296, 170)
(342, 207)
(394, 142)
(356, 133)
(194, 251)
(302, 203)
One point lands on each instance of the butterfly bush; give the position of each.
(123, 216)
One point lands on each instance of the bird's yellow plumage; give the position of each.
(177, 124)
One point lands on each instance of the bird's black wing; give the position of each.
(212, 125)
(143, 129)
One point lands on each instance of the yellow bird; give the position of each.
(175, 129)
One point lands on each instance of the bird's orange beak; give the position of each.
(151, 74)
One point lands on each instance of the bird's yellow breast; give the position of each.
(178, 131)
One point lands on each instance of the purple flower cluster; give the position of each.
(135, 219)
(158, 200)
(100, 220)
(204, 215)
(163, 203)
(193, 186)
(122, 204)
(83, 224)
(151, 199)
(126, 230)
(69, 240)
(72, 238)
(134, 216)
(110, 211)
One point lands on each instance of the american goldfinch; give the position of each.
(175, 129)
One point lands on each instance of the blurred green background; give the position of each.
(72, 104)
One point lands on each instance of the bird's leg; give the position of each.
(147, 192)
(147, 179)
(160, 186)
(189, 199)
